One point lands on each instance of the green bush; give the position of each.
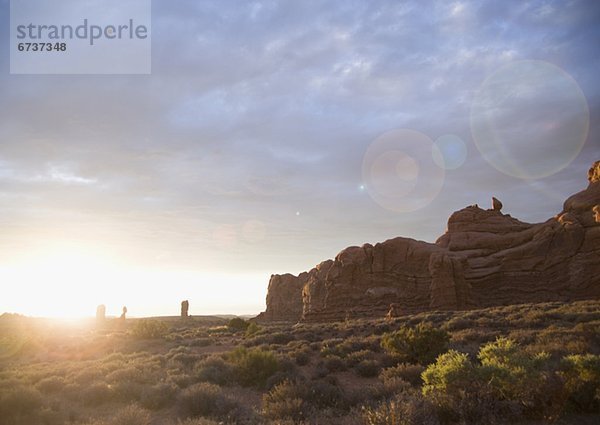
(582, 379)
(238, 324)
(421, 344)
(252, 367)
(252, 329)
(507, 383)
(149, 329)
(450, 374)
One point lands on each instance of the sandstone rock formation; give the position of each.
(185, 305)
(101, 313)
(485, 258)
(496, 204)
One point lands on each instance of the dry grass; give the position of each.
(168, 371)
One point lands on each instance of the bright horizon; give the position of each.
(271, 135)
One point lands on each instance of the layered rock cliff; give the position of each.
(485, 258)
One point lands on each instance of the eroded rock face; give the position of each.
(284, 298)
(485, 258)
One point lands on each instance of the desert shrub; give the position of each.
(186, 360)
(214, 369)
(286, 401)
(238, 324)
(20, 405)
(126, 391)
(252, 367)
(453, 384)
(408, 372)
(404, 409)
(326, 393)
(127, 373)
(201, 342)
(452, 372)
(421, 344)
(252, 329)
(198, 421)
(205, 399)
(279, 338)
(296, 400)
(131, 415)
(517, 376)
(582, 379)
(158, 396)
(458, 323)
(367, 368)
(334, 363)
(507, 383)
(149, 329)
(51, 384)
(356, 357)
(96, 394)
(302, 356)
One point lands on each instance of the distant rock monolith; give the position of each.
(185, 305)
(123, 313)
(101, 313)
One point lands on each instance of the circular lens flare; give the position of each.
(529, 119)
(451, 152)
(399, 172)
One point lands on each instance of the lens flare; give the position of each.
(399, 172)
(451, 152)
(529, 119)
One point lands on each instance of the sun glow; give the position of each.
(69, 281)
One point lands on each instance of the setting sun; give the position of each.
(69, 281)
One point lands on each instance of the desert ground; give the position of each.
(524, 364)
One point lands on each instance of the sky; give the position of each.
(270, 135)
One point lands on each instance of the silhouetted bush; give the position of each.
(51, 384)
(20, 406)
(158, 396)
(214, 369)
(205, 399)
(96, 394)
(421, 344)
(334, 363)
(367, 368)
(408, 372)
(286, 401)
(252, 367)
(149, 329)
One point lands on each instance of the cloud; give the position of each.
(257, 111)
